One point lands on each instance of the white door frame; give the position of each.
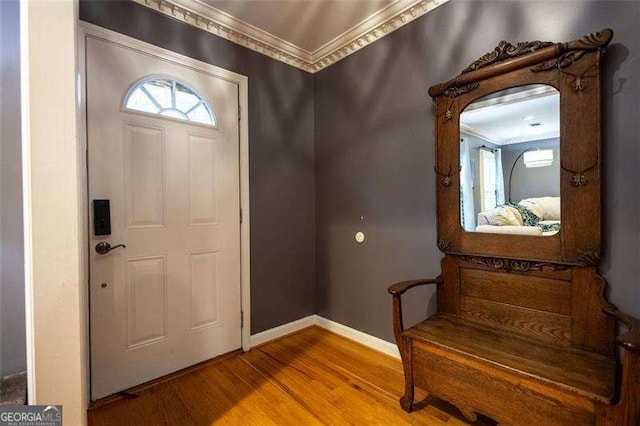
(86, 30)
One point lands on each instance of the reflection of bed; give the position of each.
(531, 216)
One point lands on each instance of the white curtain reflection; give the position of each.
(499, 178)
(467, 208)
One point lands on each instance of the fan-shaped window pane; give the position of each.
(160, 91)
(199, 114)
(141, 102)
(185, 100)
(174, 113)
(169, 98)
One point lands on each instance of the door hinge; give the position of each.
(241, 319)
(239, 113)
(241, 215)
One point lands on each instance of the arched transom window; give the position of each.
(170, 98)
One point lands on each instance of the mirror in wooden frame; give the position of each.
(573, 70)
(509, 162)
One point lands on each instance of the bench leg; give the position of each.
(406, 401)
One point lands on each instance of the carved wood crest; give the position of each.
(505, 50)
(588, 258)
(444, 246)
(515, 265)
(553, 55)
(455, 91)
(589, 42)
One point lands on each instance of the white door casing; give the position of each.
(171, 298)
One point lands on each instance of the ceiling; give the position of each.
(308, 24)
(516, 116)
(308, 34)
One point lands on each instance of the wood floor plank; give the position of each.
(238, 396)
(282, 409)
(315, 395)
(216, 404)
(342, 369)
(376, 368)
(313, 377)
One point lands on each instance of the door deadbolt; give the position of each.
(104, 247)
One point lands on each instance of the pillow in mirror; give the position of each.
(501, 216)
(546, 208)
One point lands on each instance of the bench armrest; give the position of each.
(397, 290)
(630, 340)
(627, 410)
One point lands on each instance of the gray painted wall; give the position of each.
(375, 155)
(281, 145)
(531, 182)
(374, 152)
(12, 319)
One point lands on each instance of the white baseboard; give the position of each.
(365, 339)
(282, 330)
(350, 333)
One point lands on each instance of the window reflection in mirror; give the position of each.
(510, 162)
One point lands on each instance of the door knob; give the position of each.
(104, 247)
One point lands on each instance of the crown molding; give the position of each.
(381, 23)
(474, 131)
(219, 23)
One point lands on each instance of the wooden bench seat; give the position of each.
(501, 357)
(582, 372)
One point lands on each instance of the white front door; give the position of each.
(170, 297)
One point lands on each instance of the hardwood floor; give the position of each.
(312, 377)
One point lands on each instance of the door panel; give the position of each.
(203, 289)
(146, 283)
(144, 176)
(202, 182)
(171, 297)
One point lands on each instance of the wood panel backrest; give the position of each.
(554, 303)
